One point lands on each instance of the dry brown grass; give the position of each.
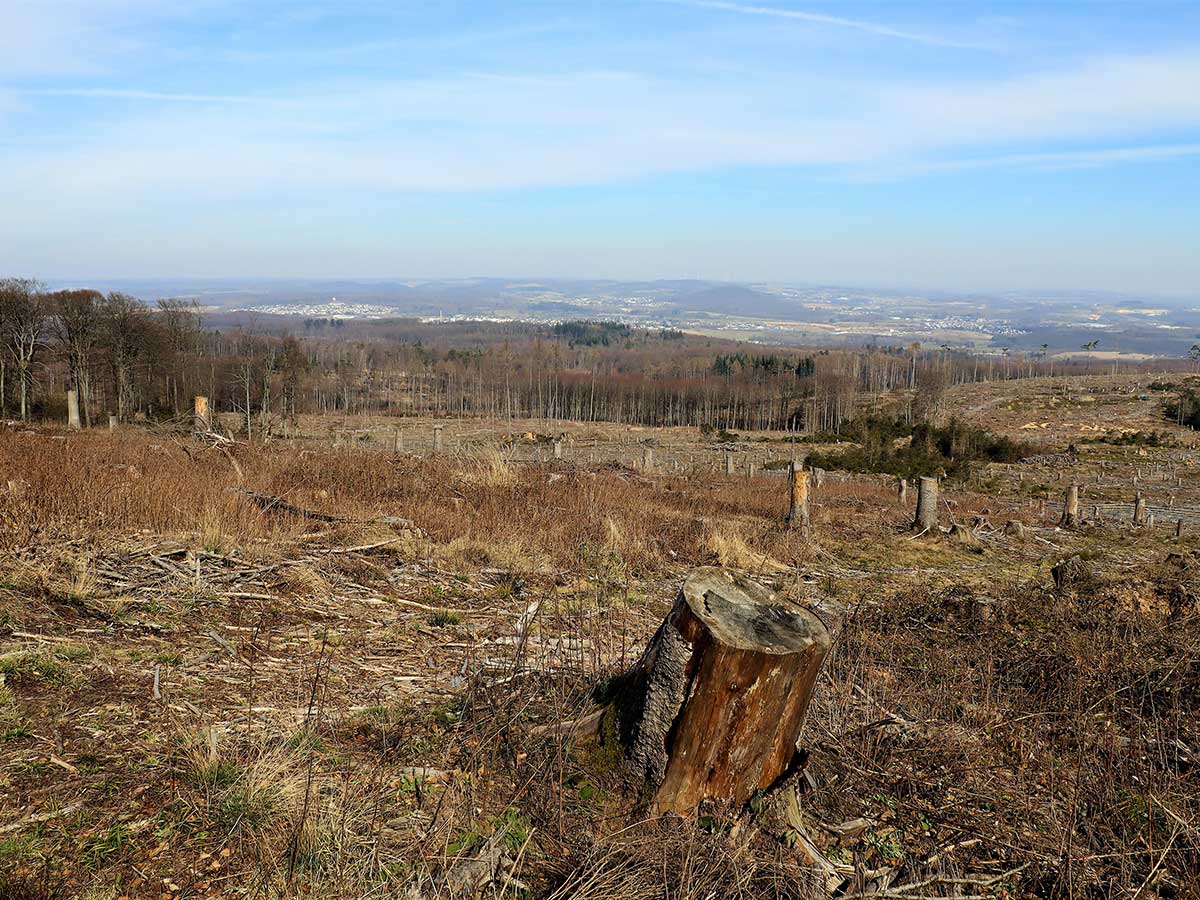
(1047, 734)
(105, 485)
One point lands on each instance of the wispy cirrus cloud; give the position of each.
(499, 131)
(813, 18)
(153, 96)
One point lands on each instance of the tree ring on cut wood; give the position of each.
(714, 707)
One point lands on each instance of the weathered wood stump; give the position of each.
(201, 415)
(1070, 516)
(713, 708)
(73, 410)
(1139, 510)
(927, 504)
(798, 516)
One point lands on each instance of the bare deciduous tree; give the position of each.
(76, 325)
(23, 316)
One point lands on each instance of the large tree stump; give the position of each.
(713, 709)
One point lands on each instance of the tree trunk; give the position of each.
(713, 709)
(1139, 510)
(927, 504)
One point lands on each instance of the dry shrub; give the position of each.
(278, 797)
(488, 469)
(302, 579)
(512, 555)
(726, 542)
(670, 860)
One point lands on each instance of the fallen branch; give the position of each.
(271, 503)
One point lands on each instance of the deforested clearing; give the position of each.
(283, 667)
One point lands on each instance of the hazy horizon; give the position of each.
(976, 147)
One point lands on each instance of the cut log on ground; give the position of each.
(713, 709)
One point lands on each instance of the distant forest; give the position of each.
(133, 360)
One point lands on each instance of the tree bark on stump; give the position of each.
(73, 410)
(1070, 516)
(927, 504)
(798, 516)
(713, 708)
(202, 418)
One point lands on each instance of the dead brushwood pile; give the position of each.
(207, 694)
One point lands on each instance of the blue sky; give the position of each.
(953, 145)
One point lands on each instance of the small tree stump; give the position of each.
(1070, 573)
(713, 709)
(1070, 516)
(201, 416)
(1139, 510)
(927, 504)
(798, 516)
(73, 410)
